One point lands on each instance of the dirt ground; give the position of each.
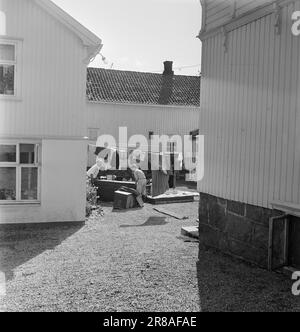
(131, 261)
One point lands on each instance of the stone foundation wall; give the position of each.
(235, 228)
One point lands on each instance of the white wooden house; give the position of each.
(43, 58)
(144, 103)
(250, 117)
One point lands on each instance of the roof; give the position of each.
(131, 87)
(88, 38)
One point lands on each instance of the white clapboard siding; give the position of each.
(141, 120)
(250, 105)
(243, 6)
(52, 71)
(219, 12)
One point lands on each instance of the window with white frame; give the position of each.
(19, 172)
(8, 68)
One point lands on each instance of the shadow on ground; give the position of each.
(152, 221)
(230, 285)
(21, 243)
(113, 210)
(126, 210)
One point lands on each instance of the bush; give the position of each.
(91, 198)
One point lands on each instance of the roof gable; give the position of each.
(87, 37)
(142, 88)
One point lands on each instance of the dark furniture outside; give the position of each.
(107, 188)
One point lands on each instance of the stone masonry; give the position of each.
(237, 229)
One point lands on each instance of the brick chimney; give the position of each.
(167, 84)
(168, 68)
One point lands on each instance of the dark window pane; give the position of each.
(7, 52)
(7, 80)
(29, 184)
(93, 134)
(27, 153)
(8, 153)
(7, 184)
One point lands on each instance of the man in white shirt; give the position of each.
(141, 183)
(93, 172)
(99, 166)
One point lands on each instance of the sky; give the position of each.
(140, 35)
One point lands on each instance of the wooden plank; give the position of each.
(170, 200)
(171, 213)
(192, 231)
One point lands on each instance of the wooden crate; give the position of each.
(123, 200)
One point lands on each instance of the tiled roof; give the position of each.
(142, 88)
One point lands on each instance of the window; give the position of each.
(194, 135)
(8, 153)
(8, 65)
(151, 134)
(171, 147)
(8, 183)
(19, 172)
(93, 134)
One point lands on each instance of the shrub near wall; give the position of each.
(91, 197)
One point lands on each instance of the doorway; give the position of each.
(294, 242)
(284, 242)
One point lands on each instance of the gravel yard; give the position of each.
(131, 261)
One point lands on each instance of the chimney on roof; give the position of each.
(167, 84)
(168, 68)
